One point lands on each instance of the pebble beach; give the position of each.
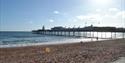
(105, 51)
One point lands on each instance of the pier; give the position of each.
(87, 32)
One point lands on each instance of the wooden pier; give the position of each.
(88, 32)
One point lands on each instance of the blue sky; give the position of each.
(27, 15)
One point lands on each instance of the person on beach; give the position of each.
(97, 38)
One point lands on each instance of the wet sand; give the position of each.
(105, 51)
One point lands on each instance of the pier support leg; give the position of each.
(78, 33)
(101, 34)
(111, 35)
(73, 33)
(115, 34)
(64, 33)
(58, 33)
(86, 34)
(61, 33)
(93, 34)
(69, 33)
(105, 34)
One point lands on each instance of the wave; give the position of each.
(50, 42)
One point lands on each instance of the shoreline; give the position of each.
(51, 43)
(104, 51)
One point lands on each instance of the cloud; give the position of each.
(80, 17)
(113, 9)
(115, 15)
(112, 13)
(51, 20)
(109, 17)
(72, 20)
(98, 10)
(121, 14)
(92, 17)
(56, 12)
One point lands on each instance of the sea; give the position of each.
(24, 38)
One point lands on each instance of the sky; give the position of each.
(27, 15)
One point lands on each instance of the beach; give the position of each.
(105, 51)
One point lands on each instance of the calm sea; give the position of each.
(15, 39)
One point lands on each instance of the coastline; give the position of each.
(104, 51)
(52, 42)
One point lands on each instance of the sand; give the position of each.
(106, 51)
